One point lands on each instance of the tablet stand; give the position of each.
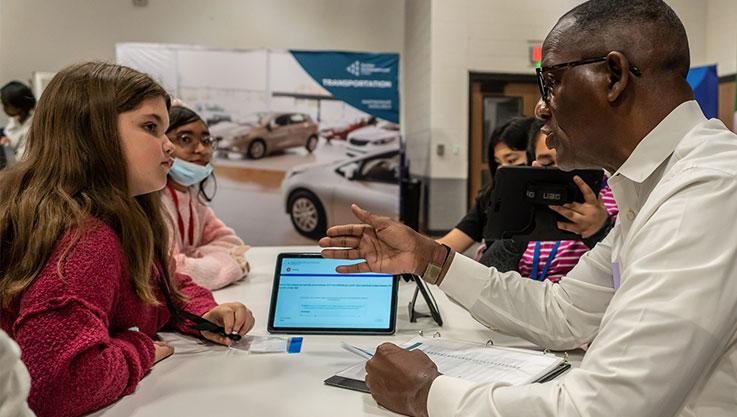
(421, 288)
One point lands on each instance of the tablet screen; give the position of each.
(310, 297)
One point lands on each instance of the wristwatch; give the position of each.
(437, 261)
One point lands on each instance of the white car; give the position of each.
(382, 137)
(317, 196)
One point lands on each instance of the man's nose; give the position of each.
(542, 111)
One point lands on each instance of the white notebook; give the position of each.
(469, 361)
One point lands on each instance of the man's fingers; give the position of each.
(353, 269)
(340, 241)
(341, 254)
(588, 193)
(378, 222)
(346, 230)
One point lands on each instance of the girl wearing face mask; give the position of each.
(18, 103)
(204, 247)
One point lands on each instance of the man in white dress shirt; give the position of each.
(657, 298)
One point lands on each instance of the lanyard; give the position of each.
(199, 322)
(180, 222)
(536, 258)
(536, 261)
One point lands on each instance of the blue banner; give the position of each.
(705, 84)
(366, 81)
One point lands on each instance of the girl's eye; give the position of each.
(185, 139)
(151, 127)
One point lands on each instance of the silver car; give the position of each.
(319, 196)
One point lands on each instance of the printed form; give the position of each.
(475, 362)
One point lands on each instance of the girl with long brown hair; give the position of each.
(85, 278)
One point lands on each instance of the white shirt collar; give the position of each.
(660, 143)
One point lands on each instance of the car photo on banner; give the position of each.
(283, 122)
(265, 133)
(320, 196)
(380, 137)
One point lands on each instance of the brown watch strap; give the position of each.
(437, 261)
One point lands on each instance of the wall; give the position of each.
(65, 31)
(721, 33)
(494, 36)
(417, 78)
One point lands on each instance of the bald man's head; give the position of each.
(648, 32)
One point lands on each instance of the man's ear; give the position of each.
(618, 74)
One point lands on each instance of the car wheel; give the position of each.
(311, 143)
(307, 214)
(257, 149)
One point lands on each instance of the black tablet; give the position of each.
(308, 296)
(520, 198)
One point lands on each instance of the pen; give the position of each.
(358, 351)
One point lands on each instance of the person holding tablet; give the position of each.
(86, 280)
(657, 298)
(507, 147)
(593, 219)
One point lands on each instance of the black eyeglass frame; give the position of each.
(545, 91)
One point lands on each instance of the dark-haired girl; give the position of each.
(204, 247)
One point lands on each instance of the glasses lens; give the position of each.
(209, 142)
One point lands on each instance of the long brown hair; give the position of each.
(74, 168)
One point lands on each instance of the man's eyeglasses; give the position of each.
(545, 88)
(189, 142)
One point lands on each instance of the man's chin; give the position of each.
(565, 165)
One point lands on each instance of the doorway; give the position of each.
(495, 98)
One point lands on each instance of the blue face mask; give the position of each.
(187, 173)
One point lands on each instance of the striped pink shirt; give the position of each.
(568, 252)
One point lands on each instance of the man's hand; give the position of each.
(587, 217)
(234, 317)
(4, 140)
(387, 246)
(400, 380)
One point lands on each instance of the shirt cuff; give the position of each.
(445, 396)
(465, 279)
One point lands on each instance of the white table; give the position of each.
(203, 379)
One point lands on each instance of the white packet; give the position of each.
(268, 344)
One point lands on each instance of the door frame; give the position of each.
(490, 83)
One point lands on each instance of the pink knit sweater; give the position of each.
(205, 257)
(77, 332)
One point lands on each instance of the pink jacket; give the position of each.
(77, 333)
(205, 256)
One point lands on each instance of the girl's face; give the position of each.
(543, 156)
(506, 156)
(193, 143)
(146, 148)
